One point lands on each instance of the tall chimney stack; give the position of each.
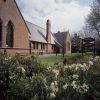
(48, 29)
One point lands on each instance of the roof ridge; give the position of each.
(35, 24)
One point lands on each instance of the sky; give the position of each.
(63, 14)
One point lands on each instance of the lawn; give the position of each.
(51, 59)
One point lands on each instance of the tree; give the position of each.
(76, 43)
(93, 19)
(86, 31)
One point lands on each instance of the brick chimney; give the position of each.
(48, 29)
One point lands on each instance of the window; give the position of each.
(0, 32)
(68, 45)
(41, 46)
(10, 33)
(33, 45)
(37, 45)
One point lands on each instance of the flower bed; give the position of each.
(27, 79)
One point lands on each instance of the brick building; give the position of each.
(18, 36)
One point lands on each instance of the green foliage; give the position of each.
(25, 78)
(73, 58)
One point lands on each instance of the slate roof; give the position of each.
(60, 37)
(38, 34)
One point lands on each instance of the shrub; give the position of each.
(27, 79)
(73, 58)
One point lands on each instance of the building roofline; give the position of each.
(22, 16)
(35, 24)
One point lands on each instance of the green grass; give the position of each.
(53, 59)
(50, 60)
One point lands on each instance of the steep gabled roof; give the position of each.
(60, 37)
(38, 34)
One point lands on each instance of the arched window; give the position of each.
(68, 45)
(0, 32)
(10, 33)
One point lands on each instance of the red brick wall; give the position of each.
(9, 11)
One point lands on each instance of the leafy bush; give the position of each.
(24, 78)
(73, 58)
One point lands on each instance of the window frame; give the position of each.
(10, 34)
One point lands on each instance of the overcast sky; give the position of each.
(63, 14)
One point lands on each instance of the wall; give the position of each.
(68, 41)
(10, 12)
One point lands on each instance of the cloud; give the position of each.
(64, 16)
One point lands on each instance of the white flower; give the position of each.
(83, 89)
(65, 86)
(74, 85)
(96, 58)
(84, 64)
(85, 86)
(97, 61)
(72, 66)
(48, 68)
(52, 95)
(81, 66)
(65, 66)
(11, 77)
(23, 70)
(85, 67)
(56, 72)
(80, 90)
(76, 68)
(91, 58)
(6, 59)
(75, 76)
(90, 63)
(53, 87)
(55, 82)
(52, 84)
